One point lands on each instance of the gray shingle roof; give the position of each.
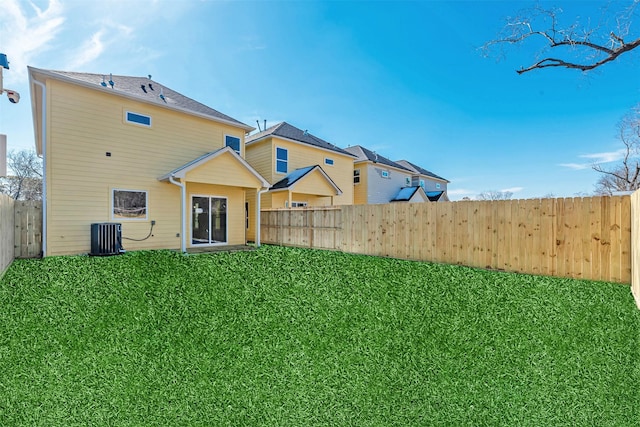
(285, 130)
(418, 169)
(366, 154)
(300, 173)
(144, 89)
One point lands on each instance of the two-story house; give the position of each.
(303, 170)
(434, 186)
(129, 150)
(377, 179)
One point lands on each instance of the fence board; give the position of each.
(574, 237)
(7, 221)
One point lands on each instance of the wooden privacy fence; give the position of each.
(6, 232)
(20, 230)
(28, 229)
(587, 238)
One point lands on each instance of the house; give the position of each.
(302, 169)
(376, 179)
(434, 186)
(128, 150)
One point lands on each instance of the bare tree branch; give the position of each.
(579, 48)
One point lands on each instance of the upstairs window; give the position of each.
(356, 176)
(385, 174)
(282, 159)
(233, 142)
(407, 181)
(422, 183)
(438, 185)
(328, 161)
(139, 119)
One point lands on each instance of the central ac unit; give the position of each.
(106, 239)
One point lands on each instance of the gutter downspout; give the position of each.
(183, 210)
(260, 193)
(44, 166)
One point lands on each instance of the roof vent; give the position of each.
(150, 87)
(144, 89)
(305, 133)
(162, 95)
(111, 80)
(104, 83)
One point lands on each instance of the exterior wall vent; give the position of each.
(106, 239)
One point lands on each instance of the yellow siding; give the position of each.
(261, 156)
(314, 183)
(85, 124)
(360, 189)
(235, 209)
(224, 169)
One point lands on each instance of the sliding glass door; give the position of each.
(208, 220)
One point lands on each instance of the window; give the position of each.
(407, 181)
(437, 185)
(129, 204)
(298, 204)
(385, 174)
(282, 157)
(422, 183)
(356, 176)
(246, 214)
(233, 142)
(328, 161)
(139, 119)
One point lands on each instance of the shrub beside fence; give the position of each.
(586, 238)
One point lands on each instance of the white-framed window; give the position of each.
(137, 119)
(407, 181)
(385, 174)
(233, 142)
(356, 176)
(129, 204)
(282, 160)
(328, 161)
(437, 185)
(422, 183)
(298, 204)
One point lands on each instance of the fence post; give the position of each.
(635, 247)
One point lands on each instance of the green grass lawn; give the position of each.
(293, 337)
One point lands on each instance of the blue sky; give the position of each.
(405, 79)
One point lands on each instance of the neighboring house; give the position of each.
(303, 170)
(376, 179)
(129, 150)
(435, 186)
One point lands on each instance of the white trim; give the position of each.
(184, 169)
(275, 161)
(130, 122)
(263, 138)
(226, 226)
(183, 216)
(239, 142)
(97, 87)
(43, 150)
(146, 202)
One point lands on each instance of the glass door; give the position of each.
(208, 220)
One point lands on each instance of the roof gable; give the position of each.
(410, 194)
(287, 131)
(227, 154)
(142, 89)
(298, 175)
